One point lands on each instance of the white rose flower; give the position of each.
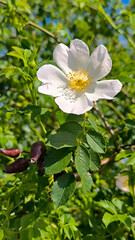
(122, 183)
(77, 86)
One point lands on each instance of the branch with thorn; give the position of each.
(103, 119)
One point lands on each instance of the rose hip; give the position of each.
(19, 165)
(13, 152)
(38, 150)
(40, 166)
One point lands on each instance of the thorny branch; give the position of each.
(103, 119)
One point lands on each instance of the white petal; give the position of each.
(73, 58)
(80, 106)
(60, 56)
(51, 74)
(78, 54)
(105, 89)
(49, 89)
(100, 63)
(122, 183)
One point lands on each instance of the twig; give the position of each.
(43, 30)
(109, 162)
(103, 119)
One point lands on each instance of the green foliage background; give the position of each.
(77, 197)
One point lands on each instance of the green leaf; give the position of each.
(27, 53)
(35, 110)
(13, 236)
(67, 231)
(62, 139)
(82, 160)
(46, 62)
(63, 188)
(123, 154)
(96, 141)
(20, 53)
(109, 218)
(94, 160)
(131, 182)
(125, 220)
(34, 233)
(1, 234)
(93, 237)
(71, 127)
(86, 182)
(130, 123)
(29, 108)
(109, 206)
(133, 230)
(24, 234)
(132, 20)
(16, 54)
(93, 124)
(57, 160)
(73, 117)
(10, 71)
(128, 67)
(131, 160)
(119, 204)
(27, 220)
(124, 78)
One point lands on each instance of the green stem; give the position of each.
(115, 110)
(85, 115)
(83, 131)
(34, 100)
(41, 125)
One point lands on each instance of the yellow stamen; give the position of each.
(79, 80)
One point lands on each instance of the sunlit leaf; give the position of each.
(62, 139)
(96, 141)
(57, 160)
(86, 182)
(82, 160)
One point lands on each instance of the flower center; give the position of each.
(79, 80)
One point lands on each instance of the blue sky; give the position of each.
(125, 1)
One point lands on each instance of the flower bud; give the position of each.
(13, 152)
(38, 150)
(19, 165)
